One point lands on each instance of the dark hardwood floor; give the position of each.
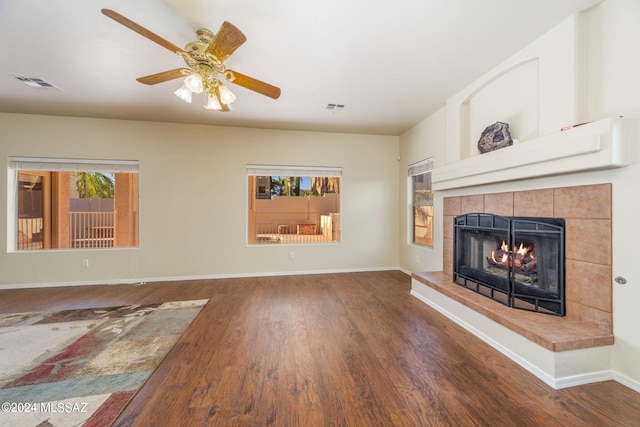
(351, 349)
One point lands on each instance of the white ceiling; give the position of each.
(390, 63)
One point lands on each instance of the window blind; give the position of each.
(420, 167)
(73, 165)
(273, 170)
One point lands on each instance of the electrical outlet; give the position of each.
(292, 255)
(85, 263)
(418, 259)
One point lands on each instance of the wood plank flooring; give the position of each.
(351, 349)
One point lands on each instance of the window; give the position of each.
(421, 202)
(63, 203)
(293, 204)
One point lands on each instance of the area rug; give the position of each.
(81, 367)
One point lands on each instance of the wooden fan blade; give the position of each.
(253, 84)
(141, 30)
(226, 41)
(164, 76)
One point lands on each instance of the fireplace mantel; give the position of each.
(592, 146)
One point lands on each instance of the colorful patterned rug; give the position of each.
(81, 367)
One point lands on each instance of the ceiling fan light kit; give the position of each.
(184, 93)
(226, 96)
(193, 82)
(213, 103)
(205, 59)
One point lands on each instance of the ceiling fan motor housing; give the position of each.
(204, 35)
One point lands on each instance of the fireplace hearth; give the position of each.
(517, 261)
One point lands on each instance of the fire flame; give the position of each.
(522, 258)
(522, 250)
(503, 258)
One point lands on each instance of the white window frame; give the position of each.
(291, 170)
(16, 164)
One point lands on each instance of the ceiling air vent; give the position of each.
(335, 108)
(37, 83)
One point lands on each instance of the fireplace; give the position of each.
(517, 261)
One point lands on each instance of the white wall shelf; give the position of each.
(593, 146)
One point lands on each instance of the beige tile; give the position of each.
(533, 203)
(588, 240)
(589, 284)
(452, 206)
(573, 344)
(588, 201)
(447, 231)
(590, 316)
(472, 204)
(447, 255)
(604, 340)
(499, 204)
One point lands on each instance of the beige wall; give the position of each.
(608, 86)
(193, 199)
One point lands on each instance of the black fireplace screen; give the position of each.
(518, 261)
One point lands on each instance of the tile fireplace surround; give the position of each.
(587, 213)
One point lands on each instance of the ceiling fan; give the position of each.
(205, 59)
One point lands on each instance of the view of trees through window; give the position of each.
(61, 209)
(303, 186)
(94, 185)
(294, 209)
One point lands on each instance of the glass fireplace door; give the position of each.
(514, 260)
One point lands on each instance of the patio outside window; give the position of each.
(69, 203)
(421, 202)
(293, 205)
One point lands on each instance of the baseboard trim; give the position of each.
(626, 381)
(141, 280)
(591, 377)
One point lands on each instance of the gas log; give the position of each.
(522, 260)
